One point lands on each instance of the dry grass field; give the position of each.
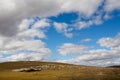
(68, 72)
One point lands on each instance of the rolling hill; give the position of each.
(56, 71)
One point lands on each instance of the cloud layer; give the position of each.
(24, 46)
(14, 11)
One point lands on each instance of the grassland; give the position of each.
(72, 72)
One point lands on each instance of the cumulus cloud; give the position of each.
(96, 57)
(111, 5)
(95, 20)
(110, 42)
(38, 28)
(42, 24)
(69, 48)
(14, 11)
(23, 46)
(86, 40)
(79, 6)
(63, 28)
(27, 57)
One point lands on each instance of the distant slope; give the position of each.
(115, 66)
(25, 64)
(22, 64)
(68, 72)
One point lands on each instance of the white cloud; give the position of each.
(84, 24)
(38, 29)
(95, 20)
(32, 33)
(24, 25)
(85, 7)
(42, 24)
(69, 48)
(27, 57)
(13, 47)
(96, 58)
(110, 42)
(85, 40)
(63, 28)
(112, 5)
(60, 26)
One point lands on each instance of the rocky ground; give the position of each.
(40, 68)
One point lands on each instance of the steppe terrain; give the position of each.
(33, 70)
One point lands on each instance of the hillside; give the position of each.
(56, 71)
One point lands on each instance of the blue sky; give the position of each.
(61, 31)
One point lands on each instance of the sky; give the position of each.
(82, 32)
